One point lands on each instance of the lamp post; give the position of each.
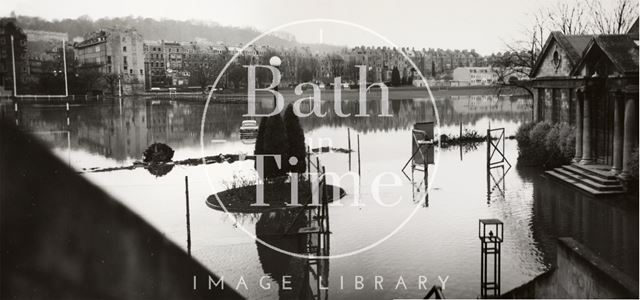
(491, 234)
(276, 62)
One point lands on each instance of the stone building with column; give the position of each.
(607, 103)
(591, 82)
(554, 87)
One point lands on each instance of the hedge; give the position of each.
(545, 144)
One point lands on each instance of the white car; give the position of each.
(249, 130)
(249, 126)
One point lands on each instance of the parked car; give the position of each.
(209, 87)
(249, 130)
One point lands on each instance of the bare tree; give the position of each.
(112, 80)
(569, 18)
(525, 51)
(615, 19)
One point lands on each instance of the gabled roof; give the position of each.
(574, 45)
(620, 49)
(633, 30)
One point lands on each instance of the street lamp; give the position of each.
(276, 62)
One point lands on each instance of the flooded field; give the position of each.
(439, 242)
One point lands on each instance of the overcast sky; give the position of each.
(463, 24)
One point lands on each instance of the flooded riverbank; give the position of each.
(440, 240)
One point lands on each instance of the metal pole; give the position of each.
(64, 62)
(359, 155)
(275, 99)
(186, 191)
(349, 143)
(325, 202)
(67, 113)
(488, 165)
(308, 160)
(13, 66)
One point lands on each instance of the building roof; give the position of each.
(93, 38)
(633, 30)
(574, 45)
(620, 49)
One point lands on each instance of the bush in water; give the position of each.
(275, 142)
(158, 153)
(297, 147)
(259, 149)
(544, 144)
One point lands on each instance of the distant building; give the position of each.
(115, 51)
(519, 73)
(41, 35)
(154, 64)
(475, 76)
(8, 30)
(418, 82)
(165, 63)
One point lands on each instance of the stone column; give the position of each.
(579, 96)
(618, 116)
(536, 105)
(586, 130)
(630, 117)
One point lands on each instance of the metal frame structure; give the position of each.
(496, 149)
(491, 234)
(420, 140)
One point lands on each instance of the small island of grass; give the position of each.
(276, 194)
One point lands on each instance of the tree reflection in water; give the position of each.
(297, 273)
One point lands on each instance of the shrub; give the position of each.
(522, 136)
(633, 165)
(536, 153)
(544, 144)
(275, 142)
(297, 147)
(567, 141)
(259, 149)
(158, 153)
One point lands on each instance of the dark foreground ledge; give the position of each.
(578, 273)
(64, 238)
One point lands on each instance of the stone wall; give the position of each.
(559, 68)
(579, 273)
(64, 238)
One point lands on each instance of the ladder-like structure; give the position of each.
(315, 237)
(496, 160)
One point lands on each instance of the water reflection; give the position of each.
(121, 130)
(608, 228)
(439, 240)
(297, 278)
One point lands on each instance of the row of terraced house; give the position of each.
(132, 64)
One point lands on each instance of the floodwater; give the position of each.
(439, 241)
